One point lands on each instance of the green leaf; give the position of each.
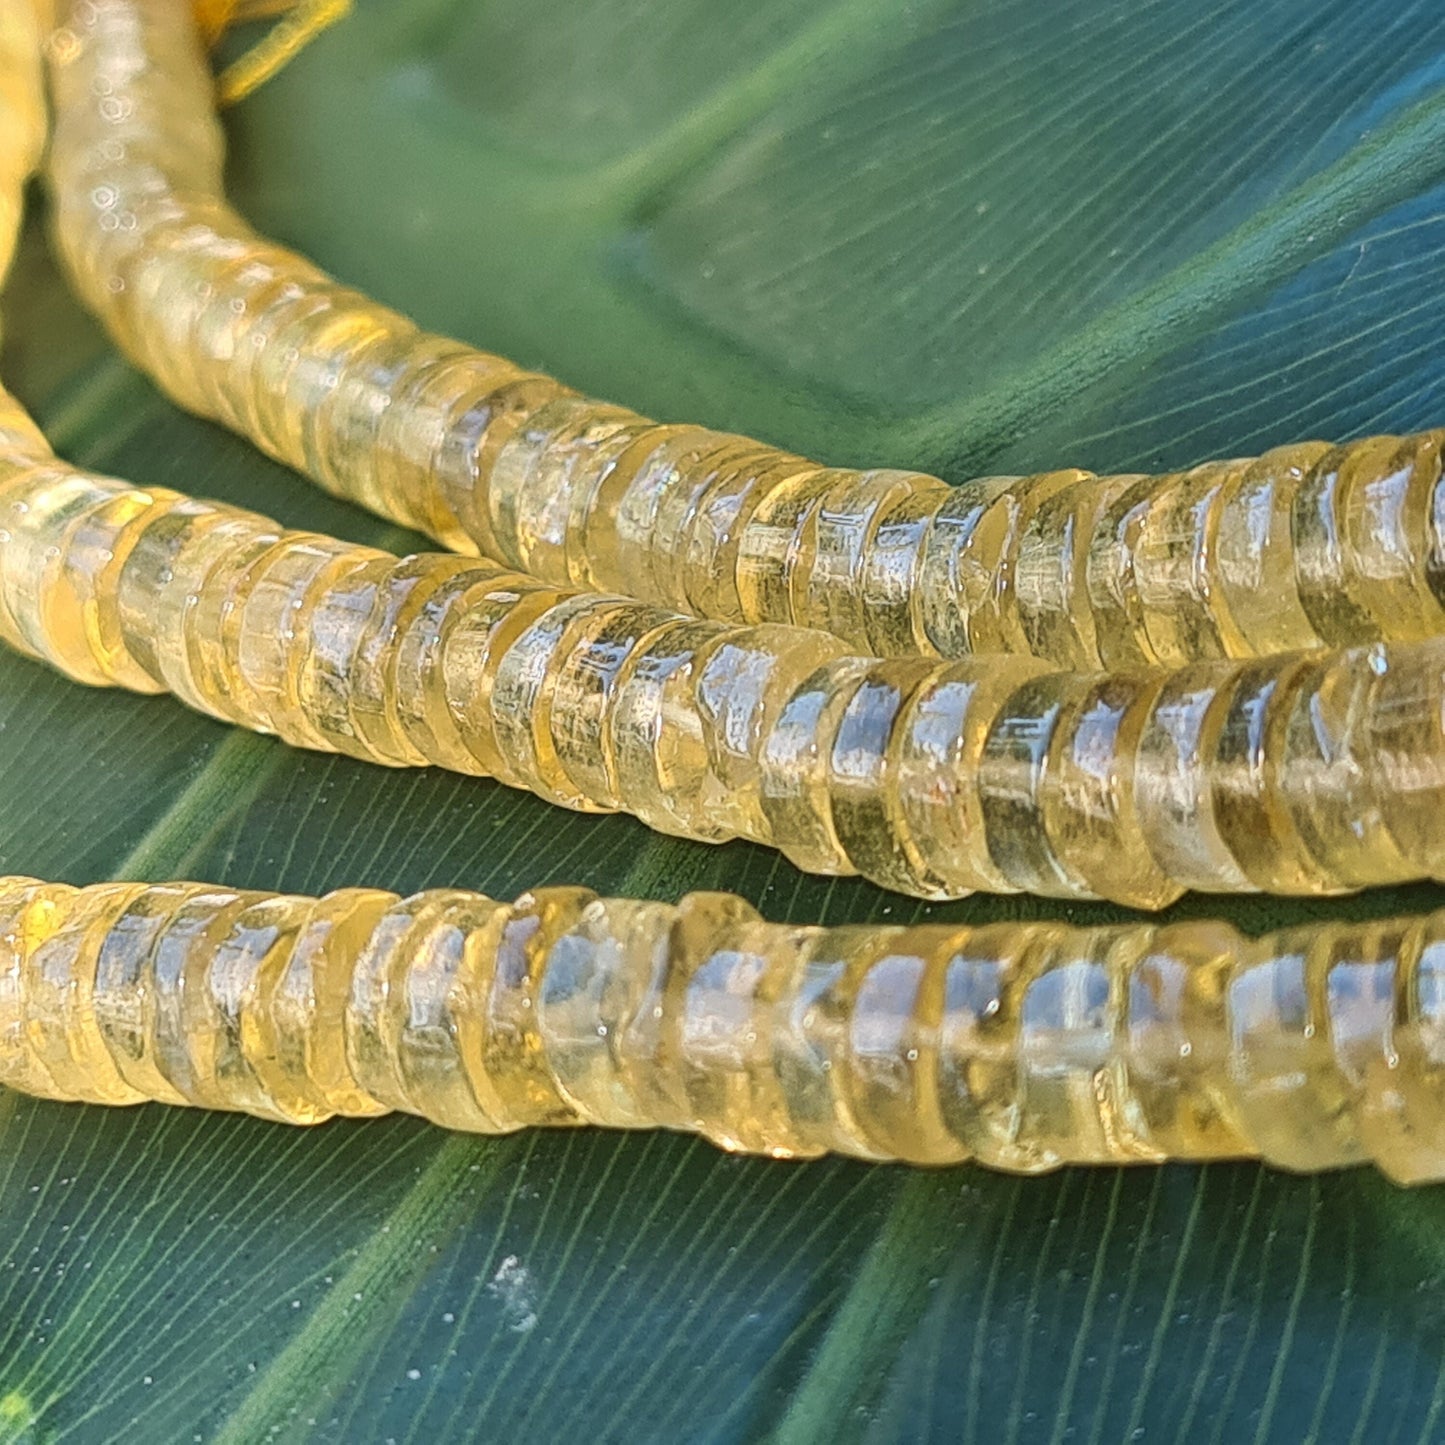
(968, 233)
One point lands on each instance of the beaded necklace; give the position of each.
(1025, 1047)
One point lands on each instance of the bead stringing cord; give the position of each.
(1022, 1046)
(1310, 545)
(301, 21)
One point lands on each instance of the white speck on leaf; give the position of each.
(512, 1285)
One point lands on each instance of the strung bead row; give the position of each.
(1024, 1047)
(1309, 773)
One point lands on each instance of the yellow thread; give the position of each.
(213, 17)
(303, 21)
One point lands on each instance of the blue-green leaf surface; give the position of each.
(963, 233)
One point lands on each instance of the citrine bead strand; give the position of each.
(1024, 1047)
